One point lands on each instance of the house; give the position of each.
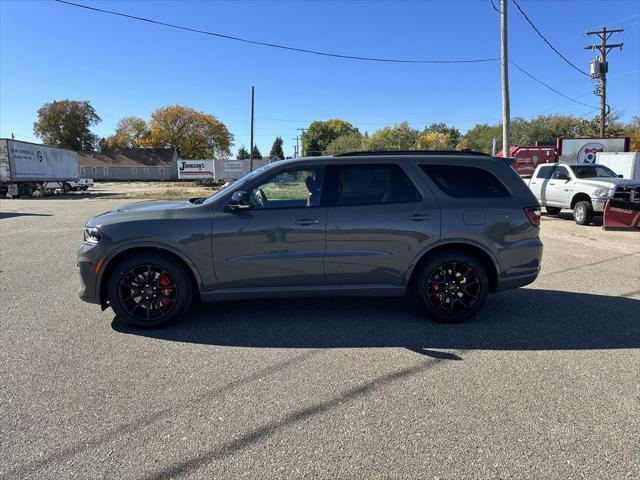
(130, 164)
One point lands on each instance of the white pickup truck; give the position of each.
(583, 187)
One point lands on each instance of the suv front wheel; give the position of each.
(452, 287)
(149, 290)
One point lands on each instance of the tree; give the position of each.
(352, 142)
(451, 133)
(243, 153)
(321, 133)
(131, 132)
(276, 150)
(480, 138)
(67, 124)
(398, 137)
(256, 153)
(632, 130)
(433, 141)
(192, 133)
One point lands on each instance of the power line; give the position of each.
(273, 45)
(547, 41)
(548, 86)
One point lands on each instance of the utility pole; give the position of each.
(599, 68)
(506, 115)
(302, 139)
(295, 151)
(251, 141)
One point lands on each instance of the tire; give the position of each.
(148, 305)
(24, 190)
(437, 275)
(67, 188)
(583, 213)
(553, 210)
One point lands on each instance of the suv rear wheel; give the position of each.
(583, 213)
(149, 290)
(452, 287)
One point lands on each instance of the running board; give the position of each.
(306, 291)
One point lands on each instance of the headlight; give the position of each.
(91, 234)
(603, 192)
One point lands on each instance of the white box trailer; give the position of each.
(626, 164)
(584, 150)
(25, 167)
(219, 169)
(195, 169)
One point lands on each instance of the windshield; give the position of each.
(238, 183)
(593, 171)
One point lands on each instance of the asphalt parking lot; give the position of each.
(544, 383)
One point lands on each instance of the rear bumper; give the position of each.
(520, 265)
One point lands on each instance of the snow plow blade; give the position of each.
(621, 215)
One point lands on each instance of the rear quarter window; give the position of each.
(465, 182)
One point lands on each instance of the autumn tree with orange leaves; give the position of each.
(193, 134)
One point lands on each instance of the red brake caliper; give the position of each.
(165, 281)
(434, 289)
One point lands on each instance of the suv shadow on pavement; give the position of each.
(525, 319)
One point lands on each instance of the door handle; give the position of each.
(307, 221)
(419, 217)
(552, 183)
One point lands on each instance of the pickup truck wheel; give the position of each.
(583, 213)
(149, 290)
(452, 287)
(553, 210)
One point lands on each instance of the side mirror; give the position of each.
(620, 176)
(239, 201)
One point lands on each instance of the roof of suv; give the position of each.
(413, 153)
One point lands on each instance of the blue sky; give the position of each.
(53, 51)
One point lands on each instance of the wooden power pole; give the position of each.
(506, 115)
(599, 68)
(251, 140)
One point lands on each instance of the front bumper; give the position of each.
(87, 261)
(599, 203)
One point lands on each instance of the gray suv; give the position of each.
(447, 228)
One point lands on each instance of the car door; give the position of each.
(377, 221)
(540, 183)
(560, 187)
(280, 239)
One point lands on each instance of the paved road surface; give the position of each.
(545, 383)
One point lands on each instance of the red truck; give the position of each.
(527, 158)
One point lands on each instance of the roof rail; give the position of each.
(390, 153)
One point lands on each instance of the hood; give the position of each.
(606, 182)
(153, 205)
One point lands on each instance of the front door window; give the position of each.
(290, 189)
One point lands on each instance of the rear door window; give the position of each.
(545, 172)
(465, 182)
(369, 185)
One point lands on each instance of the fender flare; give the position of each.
(445, 241)
(144, 244)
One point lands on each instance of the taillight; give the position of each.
(533, 214)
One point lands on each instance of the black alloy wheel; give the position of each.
(149, 290)
(452, 287)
